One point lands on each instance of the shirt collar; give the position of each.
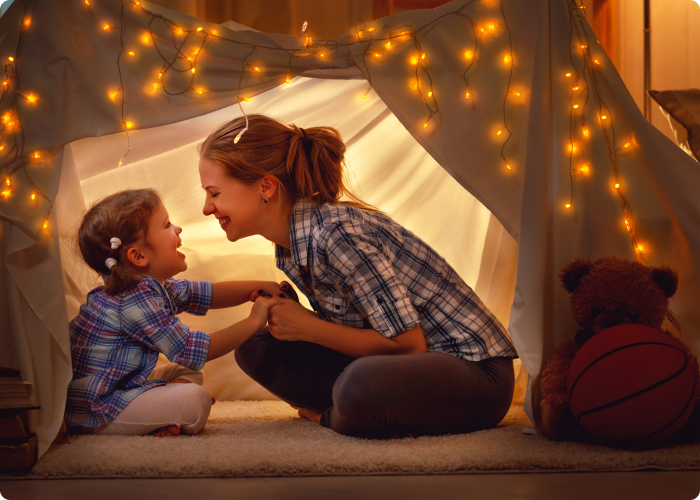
(300, 226)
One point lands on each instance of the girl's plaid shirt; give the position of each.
(115, 341)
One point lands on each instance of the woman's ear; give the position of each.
(136, 257)
(268, 186)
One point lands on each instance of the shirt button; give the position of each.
(337, 307)
(380, 301)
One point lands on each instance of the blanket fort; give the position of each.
(517, 101)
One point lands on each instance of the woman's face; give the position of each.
(237, 206)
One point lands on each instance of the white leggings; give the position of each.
(185, 405)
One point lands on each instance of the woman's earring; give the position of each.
(265, 201)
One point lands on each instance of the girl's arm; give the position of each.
(235, 293)
(226, 340)
(290, 321)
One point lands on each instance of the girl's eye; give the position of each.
(169, 224)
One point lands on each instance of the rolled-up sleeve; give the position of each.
(193, 297)
(367, 278)
(146, 320)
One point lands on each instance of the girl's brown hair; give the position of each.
(308, 163)
(124, 215)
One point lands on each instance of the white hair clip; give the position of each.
(110, 263)
(115, 242)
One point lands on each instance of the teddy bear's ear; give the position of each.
(572, 273)
(666, 278)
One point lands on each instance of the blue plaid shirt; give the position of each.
(361, 269)
(115, 341)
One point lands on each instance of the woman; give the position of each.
(398, 343)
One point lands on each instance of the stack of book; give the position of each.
(17, 446)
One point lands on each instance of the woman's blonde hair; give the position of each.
(124, 215)
(308, 163)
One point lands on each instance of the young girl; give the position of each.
(115, 339)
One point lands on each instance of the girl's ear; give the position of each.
(268, 186)
(136, 257)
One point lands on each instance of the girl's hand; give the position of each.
(261, 308)
(289, 320)
(283, 289)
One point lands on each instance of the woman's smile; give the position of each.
(224, 222)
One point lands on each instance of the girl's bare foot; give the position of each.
(168, 430)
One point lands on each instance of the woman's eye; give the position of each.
(214, 195)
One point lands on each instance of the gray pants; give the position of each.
(382, 396)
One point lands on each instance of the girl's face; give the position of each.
(162, 254)
(238, 207)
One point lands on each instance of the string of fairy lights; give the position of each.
(580, 43)
(190, 42)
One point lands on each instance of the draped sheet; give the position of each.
(70, 62)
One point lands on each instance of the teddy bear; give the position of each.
(604, 293)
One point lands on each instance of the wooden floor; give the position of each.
(652, 485)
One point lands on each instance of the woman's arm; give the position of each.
(235, 293)
(290, 321)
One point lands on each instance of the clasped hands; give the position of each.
(287, 319)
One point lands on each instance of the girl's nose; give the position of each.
(178, 229)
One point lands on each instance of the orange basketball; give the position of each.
(632, 386)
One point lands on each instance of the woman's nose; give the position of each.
(208, 208)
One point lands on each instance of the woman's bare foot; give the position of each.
(168, 430)
(310, 415)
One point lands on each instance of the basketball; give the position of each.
(631, 386)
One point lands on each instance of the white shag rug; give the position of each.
(266, 438)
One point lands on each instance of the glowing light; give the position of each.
(568, 74)
(414, 60)
(376, 54)
(469, 55)
(199, 29)
(5, 83)
(576, 88)
(146, 38)
(2, 146)
(568, 205)
(28, 21)
(128, 124)
(33, 195)
(37, 155)
(6, 193)
(585, 169)
(113, 95)
(430, 94)
(508, 166)
(200, 90)
(499, 132)
(425, 124)
(371, 29)
(11, 58)
(626, 145)
(388, 45)
(46, 222)
(87, 2)
(106, 27)
(585, 132)
(7, 180)
(156, 85)
(575, 106)
(467, 94)
(617, 185)
(492, 27)
(596, 61)
(246, 99)
(32, 98)
(604, 117)
(287, 80)
(507, 59)
(583, 47)
(192, 70)
(178, 31)
(214, 32)
(422, 57)
(131, 53)
(257, 69)
(640, 248)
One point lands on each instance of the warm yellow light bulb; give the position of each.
(640, 248)
(508, 166)
(7, 180)
(575, 106)
(425, 124)
(46, 223)
(156, 85)
(246, 99)
(32, 98)
(388, 45)
(414, 60)
(596, 61)
(2, 146)
(105, 27)
(27, 22)
(37, 155)
(422, 56)
(113, 95)
(583, 47)
(576, 88)
(199, 90)
(178, 31)
(146, 38)
(507, 59)
(568, 205)
(131, 53)
(192, 70)
(585, 132)
(604, 117)
(6, 193)
(128, 124)
(617, 185)
(469, 55)
(430, 94)
(287, 80)
(371, 29)
(499, 132)
(214, 32)
(467, 94)
(492, 27)
(199, 29)
(568, 74)
(585, 169)
(257, 69)
(11, 58)
(377, 54)
(33, 195)
(87, 2)
(626, 145)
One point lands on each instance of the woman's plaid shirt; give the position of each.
(361, 269)
(115, 341)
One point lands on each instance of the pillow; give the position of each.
(682, 109)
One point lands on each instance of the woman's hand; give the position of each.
(290, 321)
(261, 309)
(283, 289)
